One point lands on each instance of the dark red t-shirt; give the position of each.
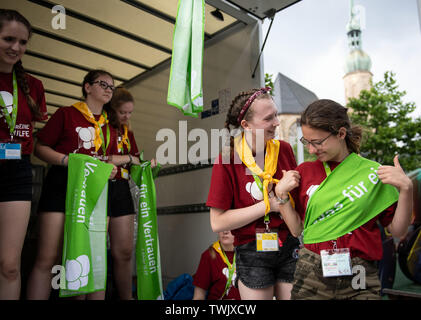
(364, 242)
(233, 188)
(68, 131)
(212, 276)
(23, 128)
(133, 149)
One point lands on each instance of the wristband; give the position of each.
(282, 201)
(62, 159)
(131, 159)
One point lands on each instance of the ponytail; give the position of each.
(24, 86)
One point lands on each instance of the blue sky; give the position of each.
(308, 43)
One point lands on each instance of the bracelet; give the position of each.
(282, 201)
(62, 159)
(131, 159)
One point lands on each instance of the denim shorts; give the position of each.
(258, 270)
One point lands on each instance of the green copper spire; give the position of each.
(357, 59)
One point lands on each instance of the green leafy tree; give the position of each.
(388, 126)
(269, 82)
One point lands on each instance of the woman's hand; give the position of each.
(395, 176)
(290, 180)
(113, 172)
(154, 163)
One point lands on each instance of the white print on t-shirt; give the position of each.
(255, 192)
(8, 101)
(86, 137)
(225, 272)
(22, 130)
(310, 191)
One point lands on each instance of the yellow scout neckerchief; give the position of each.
(83, 108)
(124, 140)
(271, 161)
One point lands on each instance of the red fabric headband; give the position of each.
(249, 102)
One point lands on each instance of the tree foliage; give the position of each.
(388, 126)
(269, 82)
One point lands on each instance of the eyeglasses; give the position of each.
(315, 144)
(104, 85)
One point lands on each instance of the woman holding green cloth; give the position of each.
(340, 198)
(80, 128)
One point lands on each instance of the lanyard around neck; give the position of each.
(11, 121)
(327, 169)
(231, 270)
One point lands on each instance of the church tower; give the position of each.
(358, 63)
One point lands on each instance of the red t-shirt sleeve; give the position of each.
(221, 187)
(134, 151)
(203, 276)
(52, 131)
(386, 217)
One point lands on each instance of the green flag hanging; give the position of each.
(148, 264)
(85, 226)
(185, 85)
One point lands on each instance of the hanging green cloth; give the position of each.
(185, 86)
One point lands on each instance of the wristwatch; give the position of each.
(282, 201)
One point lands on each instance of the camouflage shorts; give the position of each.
(309, 283)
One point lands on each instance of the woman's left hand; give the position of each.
(154, 163)
(394, 175)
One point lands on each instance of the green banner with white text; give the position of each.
(85, 226)
(148, 264)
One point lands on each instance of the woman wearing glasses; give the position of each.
(339, 199)
(70, 130)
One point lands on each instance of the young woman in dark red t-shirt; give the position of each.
(340, 198)
(69, 130)
(123, 154)
(215, 276)
(22, 103)
(244, 202)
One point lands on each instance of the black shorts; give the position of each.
(120, 201)
(258, 270)
(53, 196)
(16, 179)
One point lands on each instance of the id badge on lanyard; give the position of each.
(10, 150)
(336, 262)
(266, 239)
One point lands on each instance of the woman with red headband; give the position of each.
(241, 197)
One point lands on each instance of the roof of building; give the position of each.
(291, 97)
